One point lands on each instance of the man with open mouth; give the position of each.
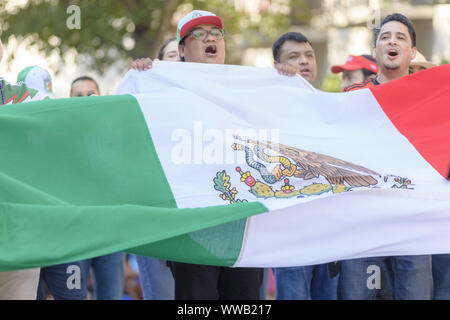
(409, 277)
(200, 36)
(395, 47)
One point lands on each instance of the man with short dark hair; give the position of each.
(309, 282)
(356, 69)
(294, 50)
(410, 277)
(394, 48)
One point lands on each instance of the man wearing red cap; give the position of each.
(356, 69)
(200, 37)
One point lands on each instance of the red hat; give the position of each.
(356, 63)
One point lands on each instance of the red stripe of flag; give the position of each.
(419, 107)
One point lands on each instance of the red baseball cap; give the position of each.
(356, 63)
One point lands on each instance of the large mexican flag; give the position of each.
(227, 165)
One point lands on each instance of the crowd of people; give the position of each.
(201, 39)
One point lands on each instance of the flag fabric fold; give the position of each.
(227, 165)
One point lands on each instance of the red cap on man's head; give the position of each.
(356, 63)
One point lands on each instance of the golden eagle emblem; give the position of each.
(328, 173)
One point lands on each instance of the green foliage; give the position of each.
(332, 83)
(300, 12)
(105, 27)
(112, 31)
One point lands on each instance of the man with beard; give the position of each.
(410, 277)
(395, 47)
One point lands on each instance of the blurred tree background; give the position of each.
(112, 32)
(118, 30)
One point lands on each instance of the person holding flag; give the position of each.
(200, 37)
(19, 284)
(410, 277)
(62, 281)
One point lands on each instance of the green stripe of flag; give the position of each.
(80, 178)
(33, 235)
(83, 151)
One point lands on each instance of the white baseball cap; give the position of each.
(37, 78)
(196, 18)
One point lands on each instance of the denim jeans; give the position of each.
(108, 275)
(305, 283)
(156, 279)
(263, 289)
(409, 277)
(441, 276)
(64, 282)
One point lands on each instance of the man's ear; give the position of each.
(374, 53)
(413, 53)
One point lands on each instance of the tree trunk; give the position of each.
(169, 9)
